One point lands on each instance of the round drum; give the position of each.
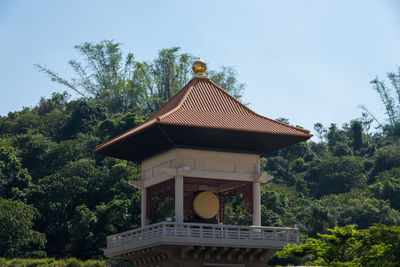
(206, 205)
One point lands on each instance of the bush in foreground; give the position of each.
(346, 246)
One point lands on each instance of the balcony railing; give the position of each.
(204, 232)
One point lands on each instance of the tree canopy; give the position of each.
(378, 245)
(68, 199)
(390, 98)
(122, 84)
(18, 239)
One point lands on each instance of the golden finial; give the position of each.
(199, 67)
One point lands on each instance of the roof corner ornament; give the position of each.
(199, 67)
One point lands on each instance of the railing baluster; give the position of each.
(287, 235)
(175, 230)
(198, 230)
(163, 229)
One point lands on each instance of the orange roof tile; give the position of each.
(203, 104)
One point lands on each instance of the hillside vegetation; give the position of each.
(59, 199)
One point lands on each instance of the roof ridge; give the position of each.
(241, 104)
(255, 113)
(178, 106)
(197, 79)
(151, 120)
(153, 116)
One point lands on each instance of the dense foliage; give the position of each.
(65, 199)
(378, 245)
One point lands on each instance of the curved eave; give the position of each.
(158, 137)
(137, 146)
(230, 139)
(125, 135)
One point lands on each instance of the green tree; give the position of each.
(274, 205)
(338, 141)
(123, 84)
(35, 152)
(236, 212)
(320, 130)
(56, 196)
(337, 175)
(118, 215)
(112, 127)
(13, 178)
(47, 118)
(335, 249)
(170, 72)
(17, 237)
(81, 203)
(388, 187)
(364, 212)
(356, 135)
(81, 229)
(315, 217)
(302, 188)
(347, 246)
(390, 98)
(385, 158)
(85, 116)
(57, 101)
(279, 167)
(358, 207)
(226, 78)
(105, 75)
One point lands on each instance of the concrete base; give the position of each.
(199, 256)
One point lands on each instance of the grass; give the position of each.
(69, 262)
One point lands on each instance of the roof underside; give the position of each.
(203, 115)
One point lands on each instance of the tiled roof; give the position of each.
(203, 104)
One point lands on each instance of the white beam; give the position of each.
(169, 173)
(136, 183)
(260, 176)
(176, 171)
(264, 177)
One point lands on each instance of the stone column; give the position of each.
(179, 199)
(144, 207)
(256, 204)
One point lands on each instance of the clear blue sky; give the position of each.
(308, 61)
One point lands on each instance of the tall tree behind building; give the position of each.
(123, 84)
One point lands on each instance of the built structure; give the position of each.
(202, 147)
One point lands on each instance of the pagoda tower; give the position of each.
(202, 147)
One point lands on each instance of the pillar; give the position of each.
(179, 199)
(143, 206)
(256, 204)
